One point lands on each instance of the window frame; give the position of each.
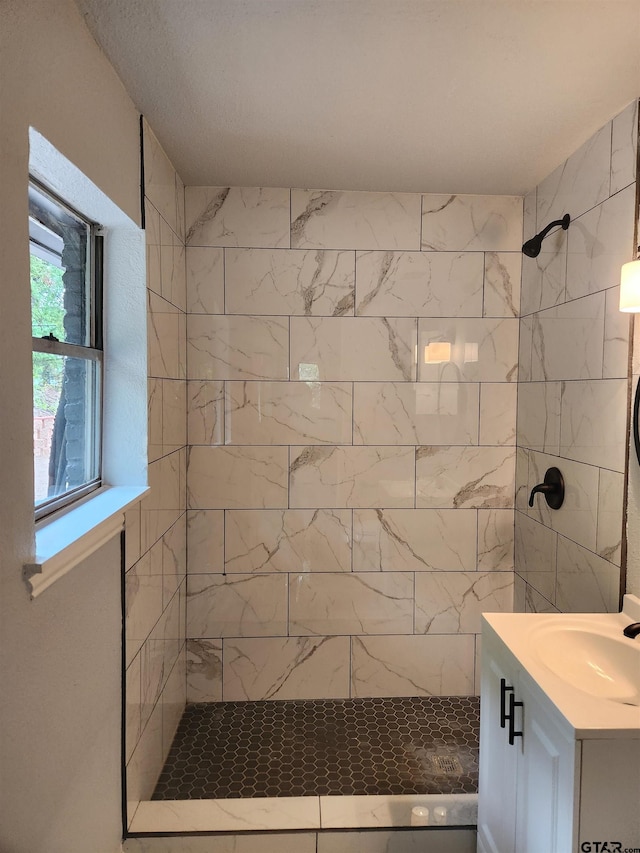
(93, 351)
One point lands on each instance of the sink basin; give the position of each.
(599, 664)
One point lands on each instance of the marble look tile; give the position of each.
(205, 280)
(452, 602)
(395, 810)
(133, 721)
(412, 666)
(286, 668)
(154, 419)
(480, 478)
(152, 242)
(593, 422)
(145, 764)
(419, 284)
(519, 593)
(535, 553)
(495, 540)
(536, 603)
(236, 606)
(237, 216)
(453, 223)
(237, 477)
(544, 278)
(416, 540)
(233, 815)
(617, 334)
(179, 208)
(250, 842)
(354, 220)
(586, 583)
(205, 411)
(159, 178)
(539, 416)
(174, 558)
(143, 602)
(481, 350)
(158, 656)
(204, 670)
(295, 540)
(415, 413)
(227, 347)
(371, 603)
(502, 274)
(624, 147)
(205, 541)
(294, 281)
(398, 841)
(610, 515)
(173, 701)
(349, 477)
(579, 183)
(497, 413)
(352, 348)
(288, 413)
(582, 323)
(164, 503)
(522, 479)
(172, 268)
(163, 345)
(599, 242)
(525, 349)
(174, 421)
(577, 516)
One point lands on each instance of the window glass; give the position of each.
(67, 355)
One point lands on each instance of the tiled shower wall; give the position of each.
(351, 398)
(155, 579)
(573, 385)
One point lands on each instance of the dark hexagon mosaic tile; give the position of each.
(327, 747)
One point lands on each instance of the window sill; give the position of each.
(63, 542)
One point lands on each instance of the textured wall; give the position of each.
(351, 414)
(156, 529)
(573, 389)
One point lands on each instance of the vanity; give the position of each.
(560, 733)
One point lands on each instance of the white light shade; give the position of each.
(630, 287)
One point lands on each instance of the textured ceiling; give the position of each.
(475, 96)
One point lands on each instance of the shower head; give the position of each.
(533, 246)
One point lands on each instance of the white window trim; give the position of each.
(66, 538)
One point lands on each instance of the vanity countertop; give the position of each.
(533, 638)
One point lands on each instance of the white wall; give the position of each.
(59, 655)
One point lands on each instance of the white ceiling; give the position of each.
(467, 96)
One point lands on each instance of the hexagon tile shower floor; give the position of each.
(313, 748)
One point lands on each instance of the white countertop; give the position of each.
(586, 715)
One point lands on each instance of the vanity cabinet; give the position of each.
(541, 788)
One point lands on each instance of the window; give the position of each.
(66, 317)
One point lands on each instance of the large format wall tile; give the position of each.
(237, 216)
(582, 323)
(286, 668)
(624, 147)
(295, 540)
(276, 281)
(288, 413)
(352, 477)
(502, 274)
(610, 515)
(204, 670)
(237, 477)
(535, 555)
(460, 477)
(414, 540)
(415, 413)
(413, 666)
(353, 348)
(228, 347)
(593, 422)
(354, 220)
(495, 540)
(539, 416)
(419, 284)
(205, 411)
(237, 606)
(371, 603)
(452, 602)
(205, 540)
(473, 350)
(454, 223)
(585, 582)
(205, 280)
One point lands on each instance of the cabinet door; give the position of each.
(498, 764)
(546, 804)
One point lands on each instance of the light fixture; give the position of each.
(630, 287)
